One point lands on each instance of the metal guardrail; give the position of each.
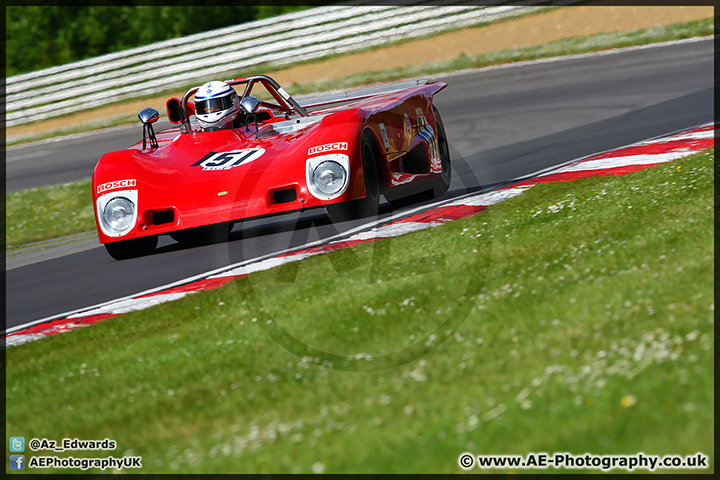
(272, 42)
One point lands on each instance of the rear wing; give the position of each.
(353, 95)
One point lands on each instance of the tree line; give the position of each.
(39, 37)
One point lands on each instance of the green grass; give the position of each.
(571, 46)
(577, 317)
(45, 213)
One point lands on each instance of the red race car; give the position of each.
(261, 153)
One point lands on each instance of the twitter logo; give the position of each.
(17, 444)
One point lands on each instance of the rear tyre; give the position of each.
(137, 247)
(367, 206)
(443, 182)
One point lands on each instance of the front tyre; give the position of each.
(136, 247)
(369, 205)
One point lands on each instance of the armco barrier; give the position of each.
(271, 42)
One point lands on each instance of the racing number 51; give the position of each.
(217, 160)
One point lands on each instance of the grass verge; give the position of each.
(45, 213)
(591, 43)
(577, 317)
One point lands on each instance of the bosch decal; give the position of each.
(328, 148)
(116, 184)
(228, 160)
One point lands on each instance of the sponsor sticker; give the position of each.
(408, 127)
(284, 94)
(328, 147)
(418, 111)
(384, 135)
(228, 160)
(116, 184)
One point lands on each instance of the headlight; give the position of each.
(329, 178)
(119, 214)
(327, 175)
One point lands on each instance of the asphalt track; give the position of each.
(502, 123)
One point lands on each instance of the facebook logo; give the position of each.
(17, 444)
(17, 462)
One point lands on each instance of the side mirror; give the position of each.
(250, 104)
(148, 116)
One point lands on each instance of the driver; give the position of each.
(216, 106)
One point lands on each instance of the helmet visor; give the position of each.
(211, 105)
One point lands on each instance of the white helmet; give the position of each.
(216, 105)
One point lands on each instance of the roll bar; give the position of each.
(279, 93)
